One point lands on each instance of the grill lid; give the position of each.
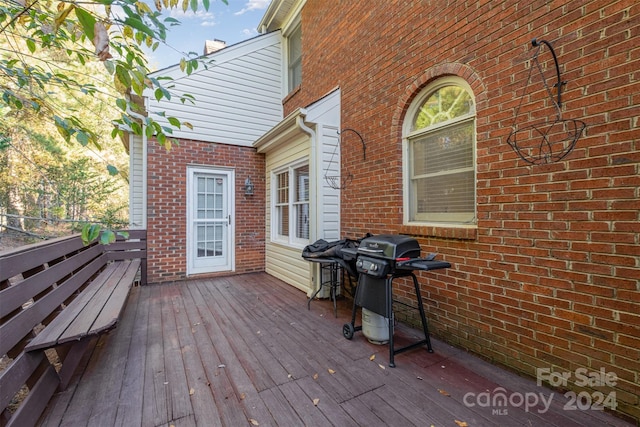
(390, 246)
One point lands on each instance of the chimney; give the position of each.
(214, 45)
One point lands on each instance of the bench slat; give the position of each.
(21, 324)
(16, 374)
(81, 324)
(113, 308)
(31, 256)
(49, 336)
(15, 296)
(96, 310)
(37, 400)
(110, 298)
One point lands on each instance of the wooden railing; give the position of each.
(37, 283)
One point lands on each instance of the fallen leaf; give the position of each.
(222, 366)
(381, 366)
(315, 376)
(191, 391)
(331, 371)
(289, 376)
(254, 422)
(242, 396)
(316, 401)
(443, 392)
(420, 378)
(461, 423)
(373, 357)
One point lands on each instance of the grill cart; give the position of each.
(379, 260)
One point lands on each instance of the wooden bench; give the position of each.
(55, 297)
(95, 311)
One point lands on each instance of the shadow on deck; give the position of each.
(244, 350)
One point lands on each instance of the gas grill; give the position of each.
(379, 260)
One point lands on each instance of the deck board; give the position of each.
(245, 349)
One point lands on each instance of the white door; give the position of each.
(210, 220)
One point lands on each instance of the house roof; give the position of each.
(278, 13)
(285, 131)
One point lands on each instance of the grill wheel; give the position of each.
(348, 330)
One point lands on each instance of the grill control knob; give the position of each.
(374, 267)
(359, 263)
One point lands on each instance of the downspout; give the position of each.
(314, 198)
(314, 194)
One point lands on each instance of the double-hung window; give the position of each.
(291, 205)
(294, 57)
(440, 170)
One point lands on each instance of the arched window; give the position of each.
(439, 133)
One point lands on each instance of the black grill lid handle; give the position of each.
(373, 251)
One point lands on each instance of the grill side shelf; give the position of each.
(421, 264)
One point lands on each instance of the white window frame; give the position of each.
(445, 219)
(289, 84)
(291, 238)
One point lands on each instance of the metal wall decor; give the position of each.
(338, 182)
(549, 140)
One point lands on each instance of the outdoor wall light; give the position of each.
(248, 187)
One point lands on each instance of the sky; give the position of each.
(230, 23)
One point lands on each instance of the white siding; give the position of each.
(283, 261)
(326, 113)
(329, 198)
(137, 172)
(238, 96)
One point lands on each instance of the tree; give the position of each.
(48, 53)
(110, 31)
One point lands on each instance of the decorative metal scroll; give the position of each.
(550, 140)
(339, 182)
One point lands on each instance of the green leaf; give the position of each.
(89, 233)
(174, 122)
(109, 65)
(82, 138)
(113, 171)
(123, 76)
(31, 45)
(107, 237)
(87, 21)
(138, 25)
(122, 104)
(205, 3)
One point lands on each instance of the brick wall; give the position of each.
(167, 205)
(550, 277)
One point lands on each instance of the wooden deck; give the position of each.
(244, 350)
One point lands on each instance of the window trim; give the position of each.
(291, 239)
(408, 134)
(295, 25)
